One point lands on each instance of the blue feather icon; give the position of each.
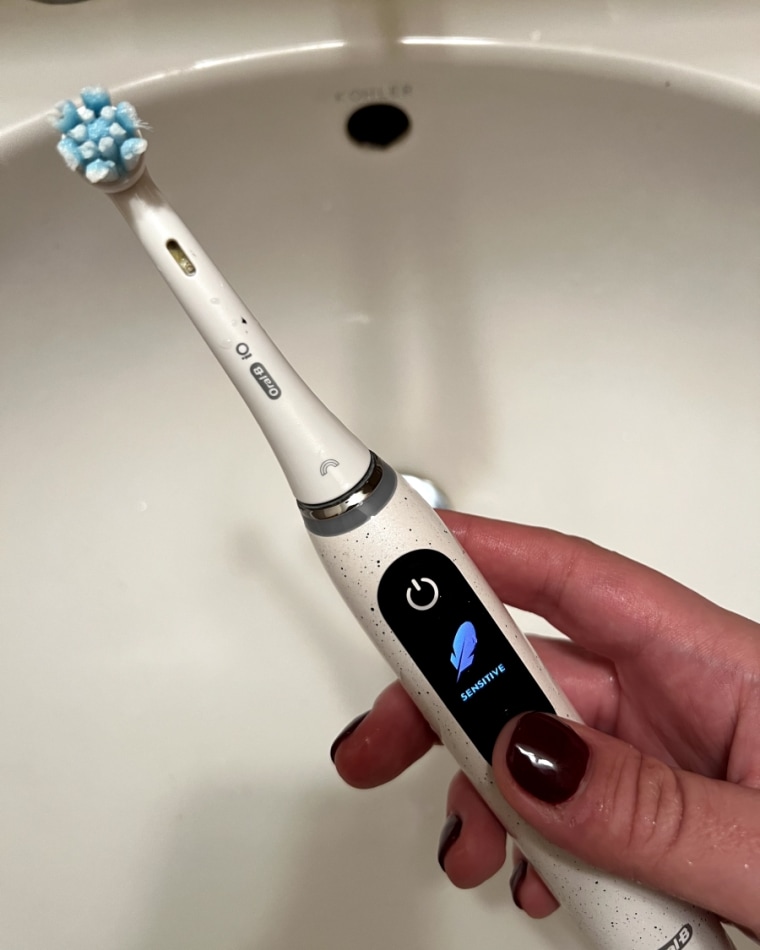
(463, 650)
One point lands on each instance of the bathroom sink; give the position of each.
(542, 295)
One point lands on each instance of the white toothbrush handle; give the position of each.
(321, 458)
(411, 585)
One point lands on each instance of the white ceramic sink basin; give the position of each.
(545, 297)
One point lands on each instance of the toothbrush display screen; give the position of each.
(457, 646)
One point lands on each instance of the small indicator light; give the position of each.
(174, 248)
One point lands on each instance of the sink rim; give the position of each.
(679, 78)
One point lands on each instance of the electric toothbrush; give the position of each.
(427, 608)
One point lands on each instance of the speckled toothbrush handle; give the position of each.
(610, 913)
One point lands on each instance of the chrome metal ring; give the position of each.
(352, 499)
(355, 507)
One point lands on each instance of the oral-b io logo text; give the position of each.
(680, 940)
(259, 371)
(262, 377)
(463, 649)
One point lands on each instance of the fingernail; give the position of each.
(547, 758)
(516, 878)
(449, 834)
(351, 727)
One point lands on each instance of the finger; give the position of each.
(598, 798)
(382, 743)
(603, 601)
(472, 847)
(528, 890)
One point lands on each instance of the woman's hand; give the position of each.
(663, 784)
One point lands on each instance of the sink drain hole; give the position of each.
(378, 125)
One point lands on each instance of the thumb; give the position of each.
(600, 799)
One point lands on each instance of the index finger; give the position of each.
(601, 600)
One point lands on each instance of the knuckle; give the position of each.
(561, 574)
(649, 801)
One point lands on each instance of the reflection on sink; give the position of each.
(544, 297)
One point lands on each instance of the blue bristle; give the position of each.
(67, 116)
(131, 150)
(96, 98)
(97, 129)
(69, 152)
(108, 149)
(126, 116)
(89, 151)
(79, 133)
(99, 139)
(102, 171)
(117, 133)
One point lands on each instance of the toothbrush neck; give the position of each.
(321, 458)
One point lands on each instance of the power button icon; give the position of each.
(422, 594)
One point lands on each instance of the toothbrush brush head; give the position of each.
(101, 141)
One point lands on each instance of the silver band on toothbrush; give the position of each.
(356, 507)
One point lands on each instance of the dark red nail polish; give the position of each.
(449, 834)
(351, 727)
(515, 880)
(547, 758)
